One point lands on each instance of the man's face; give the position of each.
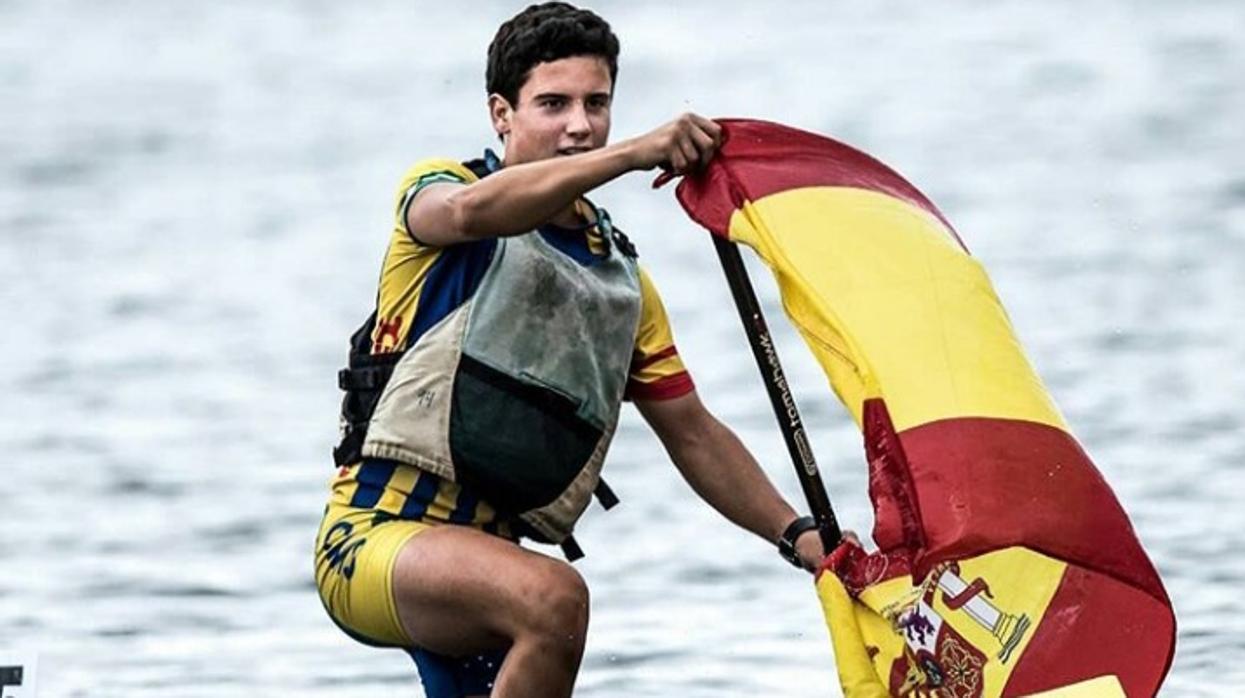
(563, 109)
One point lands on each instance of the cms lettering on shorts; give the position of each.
(339, 550)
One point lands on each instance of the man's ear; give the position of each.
(499, 110)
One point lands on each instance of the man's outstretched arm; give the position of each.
(520, 197)
(723, 472)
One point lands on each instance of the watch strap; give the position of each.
(786, 542)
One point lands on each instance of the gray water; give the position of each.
(194, 199)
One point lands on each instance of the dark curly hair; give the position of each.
(541, 33)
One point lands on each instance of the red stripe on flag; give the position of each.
(1123, 631)
(759, 158)
(897, 516)
(980, 484)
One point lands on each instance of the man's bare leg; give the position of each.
(461, 591)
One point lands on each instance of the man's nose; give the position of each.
(577, 123)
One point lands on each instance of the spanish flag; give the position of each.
(1005, 564)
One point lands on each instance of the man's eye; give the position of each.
(552, 103)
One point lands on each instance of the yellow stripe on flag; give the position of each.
(857, 675)
(922, 313)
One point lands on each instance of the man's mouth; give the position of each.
(573, 151)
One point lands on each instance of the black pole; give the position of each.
(779, 392)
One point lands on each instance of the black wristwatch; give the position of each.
(786, 542)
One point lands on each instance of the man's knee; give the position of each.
(559, 608)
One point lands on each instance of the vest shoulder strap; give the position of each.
(571, 549)
(624, 244)
(605, 495)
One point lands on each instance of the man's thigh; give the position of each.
(461, 591)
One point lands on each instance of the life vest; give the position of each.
(516, 393)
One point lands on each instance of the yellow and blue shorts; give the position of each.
(355, 554)
(375, 508)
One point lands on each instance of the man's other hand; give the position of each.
(808, 547)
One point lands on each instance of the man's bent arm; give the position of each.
(512, 200)
(520, 197)
(717, 465)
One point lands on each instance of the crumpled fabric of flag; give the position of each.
(1005, 564)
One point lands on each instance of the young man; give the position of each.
(511, 322)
